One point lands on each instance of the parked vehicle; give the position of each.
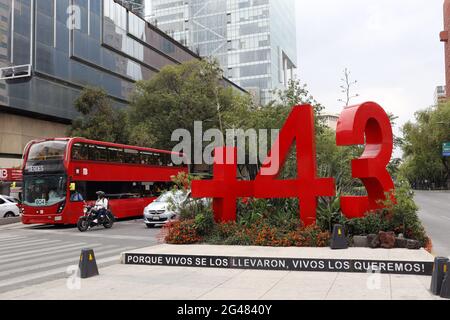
(9, 207)
(166, 208)
(91, 219)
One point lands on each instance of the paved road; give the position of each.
(435, 215)
(35, 254)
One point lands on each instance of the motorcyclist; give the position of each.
(101, 205)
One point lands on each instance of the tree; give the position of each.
(99, 120)
(174, 99)
(422, 147)
(346, 88)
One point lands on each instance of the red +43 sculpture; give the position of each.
(366, 124)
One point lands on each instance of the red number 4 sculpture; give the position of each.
(363, 124)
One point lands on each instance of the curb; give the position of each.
(6, 221)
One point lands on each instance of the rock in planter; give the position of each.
(387, 239)
(373, 241)
(360, 242)
(413, 244)
(400, 243)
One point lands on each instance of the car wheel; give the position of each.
(10, 215)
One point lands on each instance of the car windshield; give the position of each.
(44, 190)
(177, 196)
(48, 150)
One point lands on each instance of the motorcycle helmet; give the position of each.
(100, 194)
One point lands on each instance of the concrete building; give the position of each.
(440, 95)
(444, 36)
(51, 49)
(330, 120)
(254, 40)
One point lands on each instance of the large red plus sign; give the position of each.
(225, 189)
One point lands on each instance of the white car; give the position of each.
(8, 207)
(164, 209)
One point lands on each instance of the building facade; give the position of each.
(440, 95)
(330, 120)
(51, 49)
(254, 40)
(444, 36)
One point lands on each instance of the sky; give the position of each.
(391, 47)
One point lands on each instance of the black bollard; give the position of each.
(338, 238)
(445, 288)
(88, 265)
(438, 274)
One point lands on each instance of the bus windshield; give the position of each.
(44, 190)
(48, 150)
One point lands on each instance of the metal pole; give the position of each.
(32, 33)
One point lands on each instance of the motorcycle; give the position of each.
(87, 221)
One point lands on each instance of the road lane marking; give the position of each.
(34, 243)
(102, 235)
(18, 243)
(73, 260)
(48, 273)
(12, 238)
(46, 249)
(41, 258)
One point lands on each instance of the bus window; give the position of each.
(155, 159)
(80, 152)
(102, 153)
(115, 155)
(132, 156)
(98, 153)
(146, 158)
(167, 160)
(48, 150)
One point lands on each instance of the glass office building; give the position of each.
(254, 40)
(51, 49)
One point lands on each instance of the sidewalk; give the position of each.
(177, 283)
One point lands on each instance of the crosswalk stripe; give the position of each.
(58, 262)
(27, 245)
(6, 239)
(18, 243)
(102, 235)
(19, 262)
(12, 226)
(48, 253)
(46, 249)
(51, 272)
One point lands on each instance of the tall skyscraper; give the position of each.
(254, 40)
(47, 57)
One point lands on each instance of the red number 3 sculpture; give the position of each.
(367, 124)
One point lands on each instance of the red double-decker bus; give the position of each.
(60, 174)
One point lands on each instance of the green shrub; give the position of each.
(204, 222)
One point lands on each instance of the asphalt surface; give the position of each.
(35, 254)
(435, 214)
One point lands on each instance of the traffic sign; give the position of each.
(446, 149)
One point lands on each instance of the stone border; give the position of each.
(422, 268)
